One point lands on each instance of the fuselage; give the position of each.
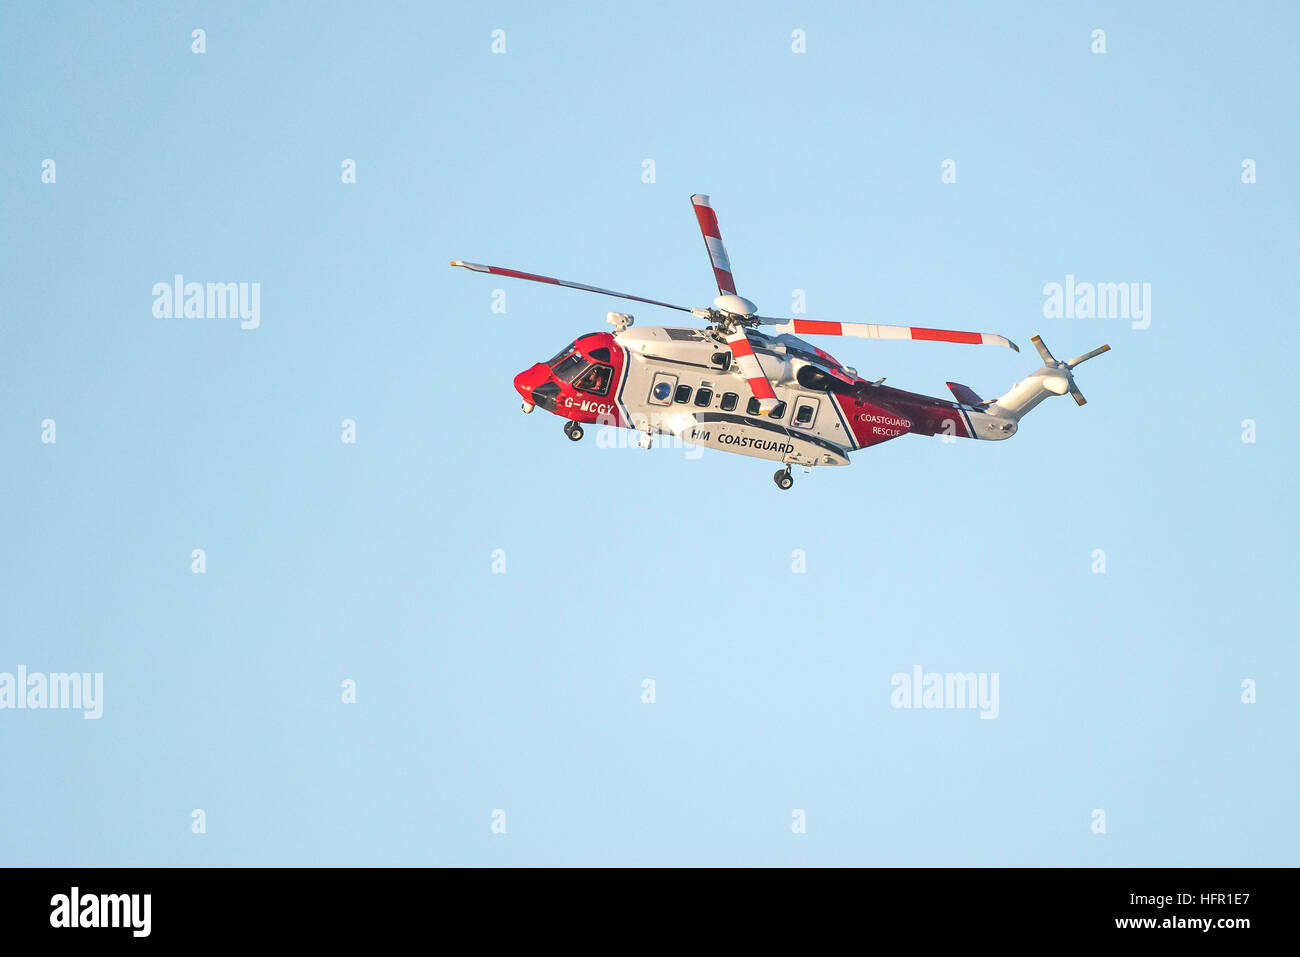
(681, 381)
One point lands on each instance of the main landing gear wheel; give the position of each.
(783, 479)
(573, 430)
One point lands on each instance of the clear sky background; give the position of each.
(522, 691)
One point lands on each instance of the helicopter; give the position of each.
(731, 387)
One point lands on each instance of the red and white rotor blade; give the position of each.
(516, 274)
(759, 384)
(708, 221)
(871, 330)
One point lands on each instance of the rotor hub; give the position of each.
(734, 305)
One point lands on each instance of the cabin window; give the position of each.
(661, 390)
(729, 400)
(776, 413)
(703, 397)
(804, 415)
(683, 394)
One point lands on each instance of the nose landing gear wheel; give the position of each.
(573, 430)
(783, 479)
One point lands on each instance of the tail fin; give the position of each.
(964, 394)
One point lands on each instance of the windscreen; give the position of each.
(561, 354)
(570, 367)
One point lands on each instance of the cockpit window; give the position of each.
(595, 380)
(570, 367)
(562, 353)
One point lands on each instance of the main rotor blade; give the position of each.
(1078, 396)
(1086, 356)
(516, 274)
(743, 352)
(1042, 350)
(869, 330)
(708, 221)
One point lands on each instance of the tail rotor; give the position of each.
(1060, 378)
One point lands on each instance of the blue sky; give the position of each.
(522, 691)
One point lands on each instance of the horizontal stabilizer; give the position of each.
(965, 394)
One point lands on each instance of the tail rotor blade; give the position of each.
(1042, 351)
(1086, 356)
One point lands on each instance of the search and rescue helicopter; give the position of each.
(732, 388)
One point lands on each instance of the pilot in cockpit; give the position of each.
(596, 379)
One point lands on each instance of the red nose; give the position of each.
(530, 379)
